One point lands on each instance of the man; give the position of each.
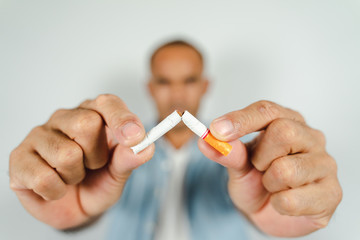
(79, 164)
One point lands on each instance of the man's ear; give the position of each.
(150, 87)
(206, 84)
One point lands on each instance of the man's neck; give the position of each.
(179, 137)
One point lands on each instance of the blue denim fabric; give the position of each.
(210, 210)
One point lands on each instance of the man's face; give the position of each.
(177, 82)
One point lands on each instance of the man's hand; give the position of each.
(74, 167)
(284, 180)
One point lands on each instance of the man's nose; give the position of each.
(177, 92)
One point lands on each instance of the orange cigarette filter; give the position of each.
(223, 147)
(202, 131)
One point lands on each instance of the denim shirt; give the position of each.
(209, 207)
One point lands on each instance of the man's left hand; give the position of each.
(284, 181)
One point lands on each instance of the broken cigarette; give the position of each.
(159, 130)
(202, 131)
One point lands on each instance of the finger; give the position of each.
(243, 178)
(296, 170)
(236, 159)
(124, 159)
(125, 125)
(253, 118)
(29, 171)
(87, 129)
(283, 137)
(317, 199)
(112, 179)
(61, 153)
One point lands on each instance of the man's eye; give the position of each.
(162, 82)
(190, 80)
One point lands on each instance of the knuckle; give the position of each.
(337, 194)
(14, 158)
(269, 109)
(86, 102)
(75, 179)
(286, 204)
(36, 131)
(58, 113)
(295, 115)
(320, 136)
(87, 122)
(15, 155)
(284, 130)
(328, 163)
(282, 171)
(68, 157)
(14, 173)
(298, 116)
(331, 164)
(102, 99)
(43, 182)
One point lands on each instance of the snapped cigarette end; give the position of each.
(159, 130)
(191, 122)
(180, 113)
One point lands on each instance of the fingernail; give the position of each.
(223, 127)
(130, 130)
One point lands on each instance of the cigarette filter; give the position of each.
(202, 131)
(159, 130)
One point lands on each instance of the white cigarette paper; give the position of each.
(159, 130)
(195, 125)
(202, 131)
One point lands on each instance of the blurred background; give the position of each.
(301, 54)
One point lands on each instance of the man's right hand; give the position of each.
(74, 167)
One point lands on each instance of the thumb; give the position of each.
(124, 160)
(235, 160)
(103, 187)
(245, 182)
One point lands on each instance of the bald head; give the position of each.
(176, 44)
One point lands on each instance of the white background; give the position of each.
(301, 54)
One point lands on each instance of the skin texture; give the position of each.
(71, 169)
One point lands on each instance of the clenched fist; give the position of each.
(74, 167)
(284, 180)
